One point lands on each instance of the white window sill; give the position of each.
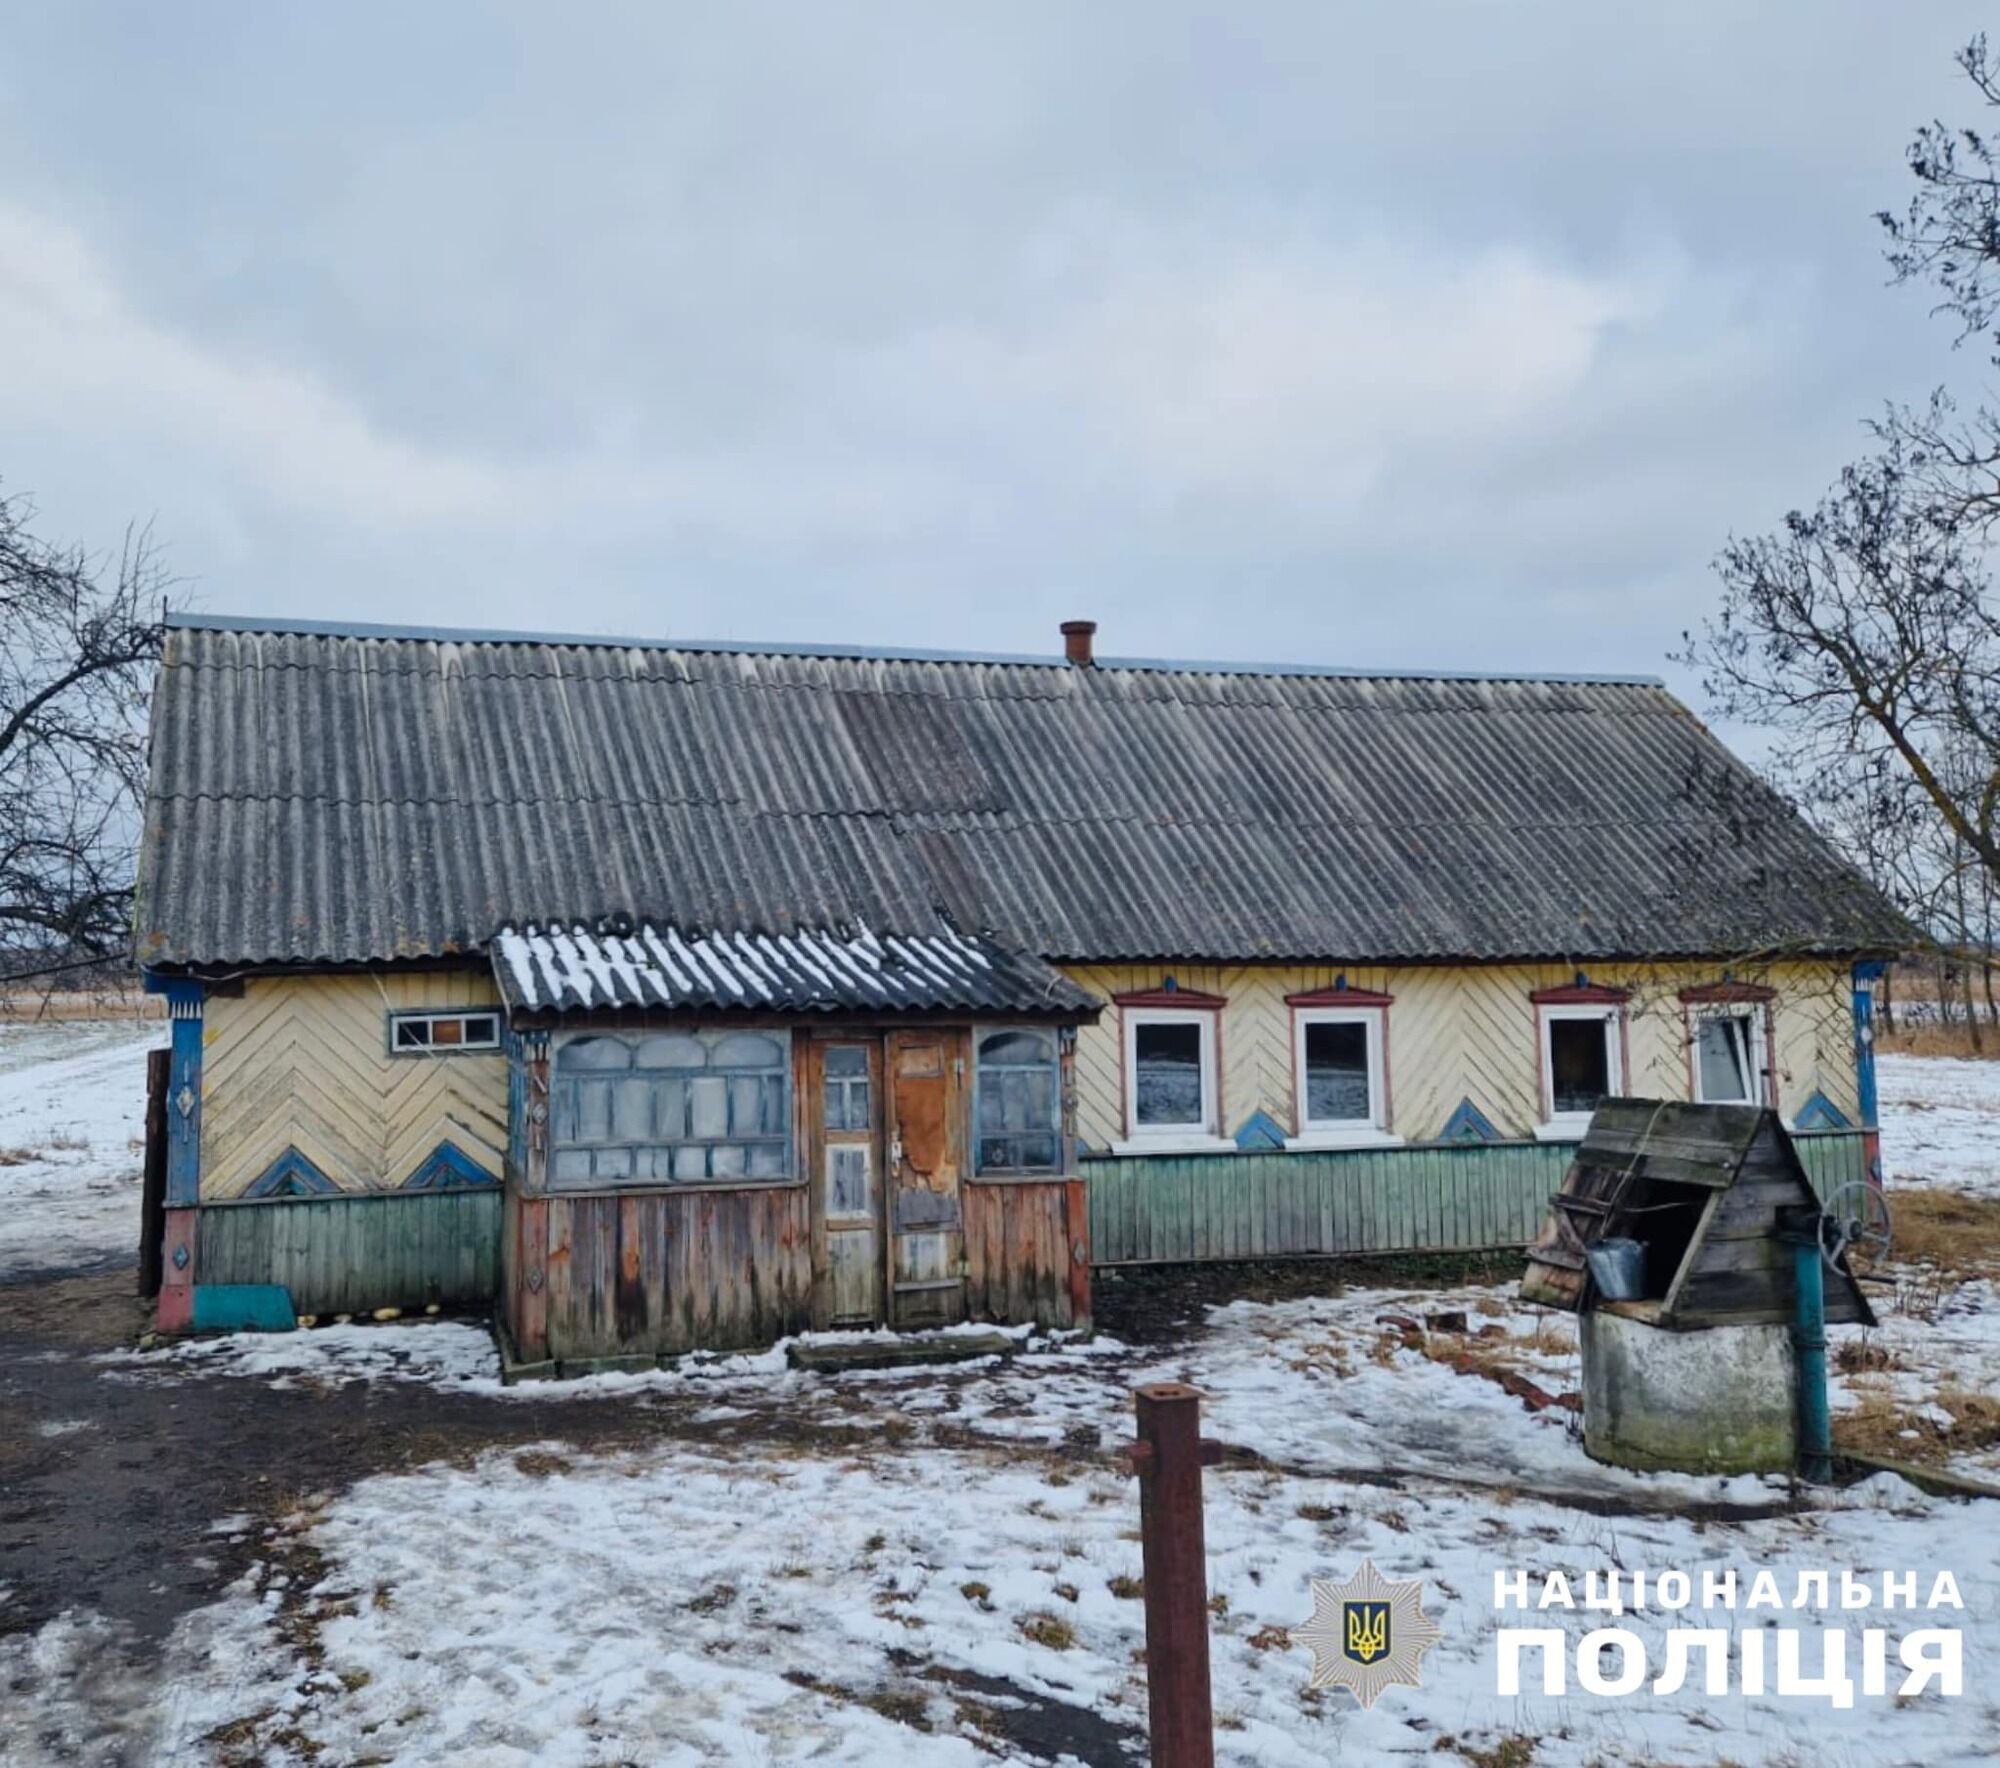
(1361, 1136)
(1563, 1129)
(1187, 1142)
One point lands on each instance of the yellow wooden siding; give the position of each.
(303, 1062)
(1464, 1033)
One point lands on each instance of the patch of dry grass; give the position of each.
(1048, 1630)
(1880, 1425)
(1947, 1230)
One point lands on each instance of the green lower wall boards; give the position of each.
(1191, 1208)
(344, 1255)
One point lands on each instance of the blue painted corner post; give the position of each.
(1866, 974)
(177, 1267)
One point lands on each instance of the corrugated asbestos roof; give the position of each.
(564, 969)
(326, 797)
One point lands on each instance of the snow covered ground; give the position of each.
(923, 1566)
(1941, 1122)
(72, 1127)
(857, 1568)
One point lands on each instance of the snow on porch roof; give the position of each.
(577, 969)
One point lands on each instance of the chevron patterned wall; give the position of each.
(301, 1064)
(1458, 1035)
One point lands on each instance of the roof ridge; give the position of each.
(190, 621)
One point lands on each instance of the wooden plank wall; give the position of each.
(1019, 1259)
(1209, 1207)
(303, 1062)
(1464, 1033)
(661, 1272)
(340, 1255)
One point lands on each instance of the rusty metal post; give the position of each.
(1169, 1457)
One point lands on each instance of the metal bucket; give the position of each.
(1618, 1268)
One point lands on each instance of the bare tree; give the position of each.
(1862, 632)
(78, 640)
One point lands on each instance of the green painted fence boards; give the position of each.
(1440, 1197)
(347, 1255)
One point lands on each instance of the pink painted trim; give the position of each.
(1340, 997)
(1191, 998)
(1590, 995)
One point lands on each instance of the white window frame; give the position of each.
(1757, 1013)
(1201, 1138)
(399, 1017)
(1570, 1126)
(1355, 1132)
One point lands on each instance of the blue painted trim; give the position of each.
(184, 1003)
(1821, 1113)
(1260, 1130)
(447, 1168)
(187, 621)
(291, 1175)
(1468, 1124)
(1870, 970)
(243, 1307)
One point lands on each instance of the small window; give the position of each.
(849, 1101)
(1728, 1059)
(423, 1034)
(1020, 1102)
(1338, 1076)
(1171, 1092)
(1582, 1065)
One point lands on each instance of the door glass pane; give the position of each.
(1167, 1074)
(847, 1181)
(1722, 1048)
(1579, 1064)
(1337, 1073)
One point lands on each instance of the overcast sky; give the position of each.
(1424, 334)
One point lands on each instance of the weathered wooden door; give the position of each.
(926, 1162)
(850, 1180)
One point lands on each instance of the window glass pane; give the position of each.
(1167, 1073)
(1020, 1047)
(593, 1111)
(1722, 1049)
(672, 1051)
(708, 1106)
(768, 1160)
(632, 1110)
(446, 1031)
(847, 1181)
(482, 1029)
(846, 1062)
(1337, 1073)
(745, 1049)
(1579, 1064)
(593, 1052)
(412, 1034)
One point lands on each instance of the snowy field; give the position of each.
(72, 1124)
(920, 1566)
(1941, 1122)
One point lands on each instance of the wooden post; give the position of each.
(1168, 1458)
(153, 1186)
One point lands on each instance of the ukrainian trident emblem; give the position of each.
(1368, 1633)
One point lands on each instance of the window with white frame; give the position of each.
(433, 1034)
(1728, 1055)
(1338, 1075)
(1582, 1063)
(1171, 1091)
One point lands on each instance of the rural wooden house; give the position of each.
(672, 995)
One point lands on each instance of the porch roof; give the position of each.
(577, 968)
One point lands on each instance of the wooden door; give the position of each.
(849, 1201)
(926, 1161)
